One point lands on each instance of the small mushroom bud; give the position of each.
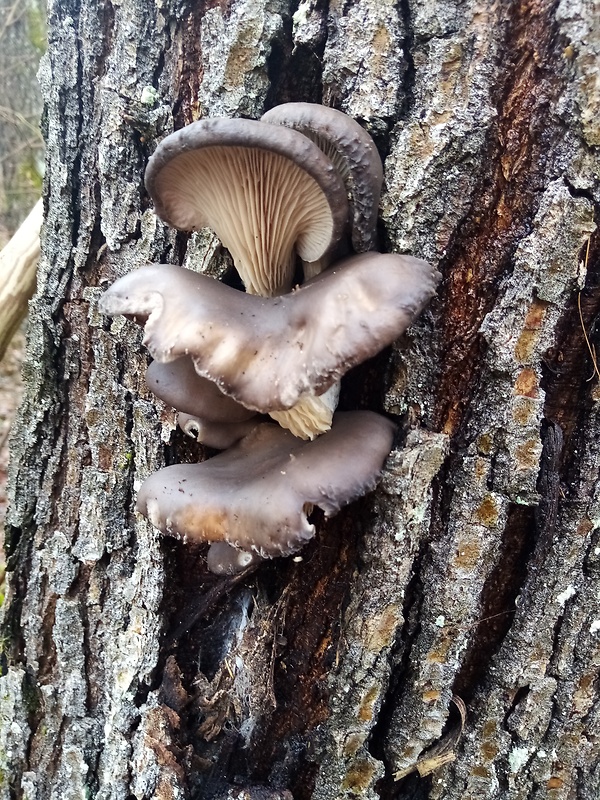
(224, 559)
(219, 435)
(178, 384)
(205, 413)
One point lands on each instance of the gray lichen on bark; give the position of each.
(374, 616)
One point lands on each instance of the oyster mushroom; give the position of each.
(219, 435)
(269, 353)
(352, 152)
(268, 192)
(257, 495)
(205, 413)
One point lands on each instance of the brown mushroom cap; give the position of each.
(268, 193)
(178, 384)
(267, 353)
(353, 153)
(257, 495)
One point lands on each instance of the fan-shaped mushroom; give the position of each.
(205, 413)
(352, 152)
(268, 192)
(268, 353)
(257, 495)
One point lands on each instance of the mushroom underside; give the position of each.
(268, 195)
(353, 153)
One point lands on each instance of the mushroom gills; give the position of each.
(354, 155)
(268, 192)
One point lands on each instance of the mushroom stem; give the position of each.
(312, 414)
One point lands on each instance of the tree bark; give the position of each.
(472, 573)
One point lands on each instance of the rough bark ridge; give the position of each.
(473, 571)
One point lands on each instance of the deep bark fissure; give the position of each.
(401, 652)
(487, 240)
(407, 100)
(498, 601)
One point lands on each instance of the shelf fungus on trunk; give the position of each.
(269, 353)
(353, 153)
(271, 195)
(256, 497)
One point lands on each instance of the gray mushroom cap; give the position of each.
(267, 192)
(178, 384)
(353, 153)
(257, 495)
(267, 353)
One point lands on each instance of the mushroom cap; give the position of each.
(353, 153)
(178, 384)
(267, 353)
(257, 495)
(267, 192)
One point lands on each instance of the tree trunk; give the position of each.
(472, 573)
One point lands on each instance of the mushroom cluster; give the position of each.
(299, 187)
